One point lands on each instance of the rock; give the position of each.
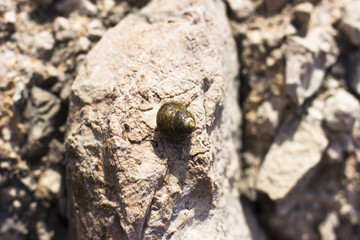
(87, 7)
(10, 225)
(350, 23)
(44, 44)
(353, 71)
(83, 44)
(306, 62)
(242, 9)
(63, 29)
(41, 112)
(56, 152)
(297, 148)
(335, 152)
(10, 17)
(301, 18)
(106, 6)
(49, 183)
(43, 232)
(7, 24)
(125, 180)
(44, 75)
(341, 111)
(5, 6)
(328, 227)
(273, 6)
(29, 182)
(95, 30)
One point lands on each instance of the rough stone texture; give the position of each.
(38, 62)
(306, 62)
(296, 149)
(126, 181)
(299, 62)
(300, 155)
(350, 23)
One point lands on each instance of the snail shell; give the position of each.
(174, 121)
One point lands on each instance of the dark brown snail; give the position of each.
(174, 121)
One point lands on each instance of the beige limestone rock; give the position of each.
(126, 181)
(296, 149)
(307, 60)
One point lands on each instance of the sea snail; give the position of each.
(174, 121)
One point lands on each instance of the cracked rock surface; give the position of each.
(275, 154)
(135, 183)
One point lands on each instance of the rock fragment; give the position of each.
(243, 9)
(302, 14)
(350, 23)
(44, 44)
(95, 29)
(297, 148)
(41, 110)
(306, 62)
(63, 29)
(49, 183)
(341, 111)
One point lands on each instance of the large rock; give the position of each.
(125, 180)
(297, 149)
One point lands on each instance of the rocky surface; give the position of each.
(138, 184)
(299, 96)
(301, 108)
(41, 45)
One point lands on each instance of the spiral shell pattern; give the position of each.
(174, 121)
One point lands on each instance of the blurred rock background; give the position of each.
(300, 88)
